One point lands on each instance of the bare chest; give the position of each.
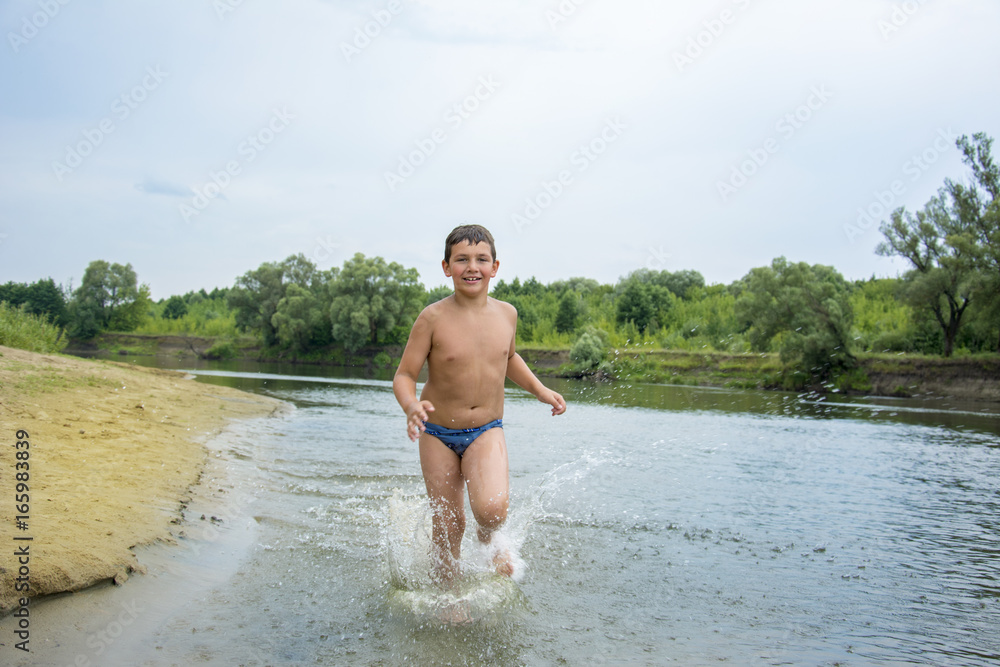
(481, 344)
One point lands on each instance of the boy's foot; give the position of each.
(499, 550)
(503, 564)
(455, 613)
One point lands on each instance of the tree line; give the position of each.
(948, 301)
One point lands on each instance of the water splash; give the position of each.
(480, 596)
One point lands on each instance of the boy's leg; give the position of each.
(443, 478)
(484, 467)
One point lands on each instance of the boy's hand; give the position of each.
(416, 415)
(555, 400)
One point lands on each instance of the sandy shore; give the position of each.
(114, 450)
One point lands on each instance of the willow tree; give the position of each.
(258, 293)
(977, 206)
(953, 244)
(109, 298)
(806, 308)
(298, 319)
(369, 298)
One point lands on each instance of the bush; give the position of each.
(588, 351)
(382, 360)
(21, 329)
(222, 349)
(892, 341)
(175, 308)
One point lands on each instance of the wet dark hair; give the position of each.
(473, 234)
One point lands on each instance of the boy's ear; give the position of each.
(447, 271)
(496, 265)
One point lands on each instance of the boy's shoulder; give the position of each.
(433, 311)
(504, 307)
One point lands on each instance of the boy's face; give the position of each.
(471, 267)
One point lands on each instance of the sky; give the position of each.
(197, 139)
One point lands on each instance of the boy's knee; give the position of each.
(492, 515)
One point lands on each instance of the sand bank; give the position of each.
(114, 450)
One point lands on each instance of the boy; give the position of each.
(467, 340)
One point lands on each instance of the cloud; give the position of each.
(153, 187)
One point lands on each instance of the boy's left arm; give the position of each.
(521, 375)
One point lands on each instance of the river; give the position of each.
(656, 525)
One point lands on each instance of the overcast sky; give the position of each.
(197, 139)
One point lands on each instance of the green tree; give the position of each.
(46, 298)
(579, 285)
(808, 307)
(568, 316)
(527, 314)
(255, 299)
(882, 323)
(680, 283)
(175, 308)
(218, 293)
(14, 294)
(43, 297)
(297, 319)
(638, 303)
(977, 206)
(369, 298)
(109, 299)
(939, 243)
(256, 295)
(438, 293)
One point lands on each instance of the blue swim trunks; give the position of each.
(459, 439)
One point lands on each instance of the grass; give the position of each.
(28, 379)
(44, 381)
(21, 329)
(134, 345)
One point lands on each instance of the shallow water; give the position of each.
(656, 525)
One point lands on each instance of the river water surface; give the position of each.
(657, 525)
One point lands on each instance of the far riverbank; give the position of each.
(975, 378)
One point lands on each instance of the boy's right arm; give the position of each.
(404, 383)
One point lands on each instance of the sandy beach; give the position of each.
(114, 451)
